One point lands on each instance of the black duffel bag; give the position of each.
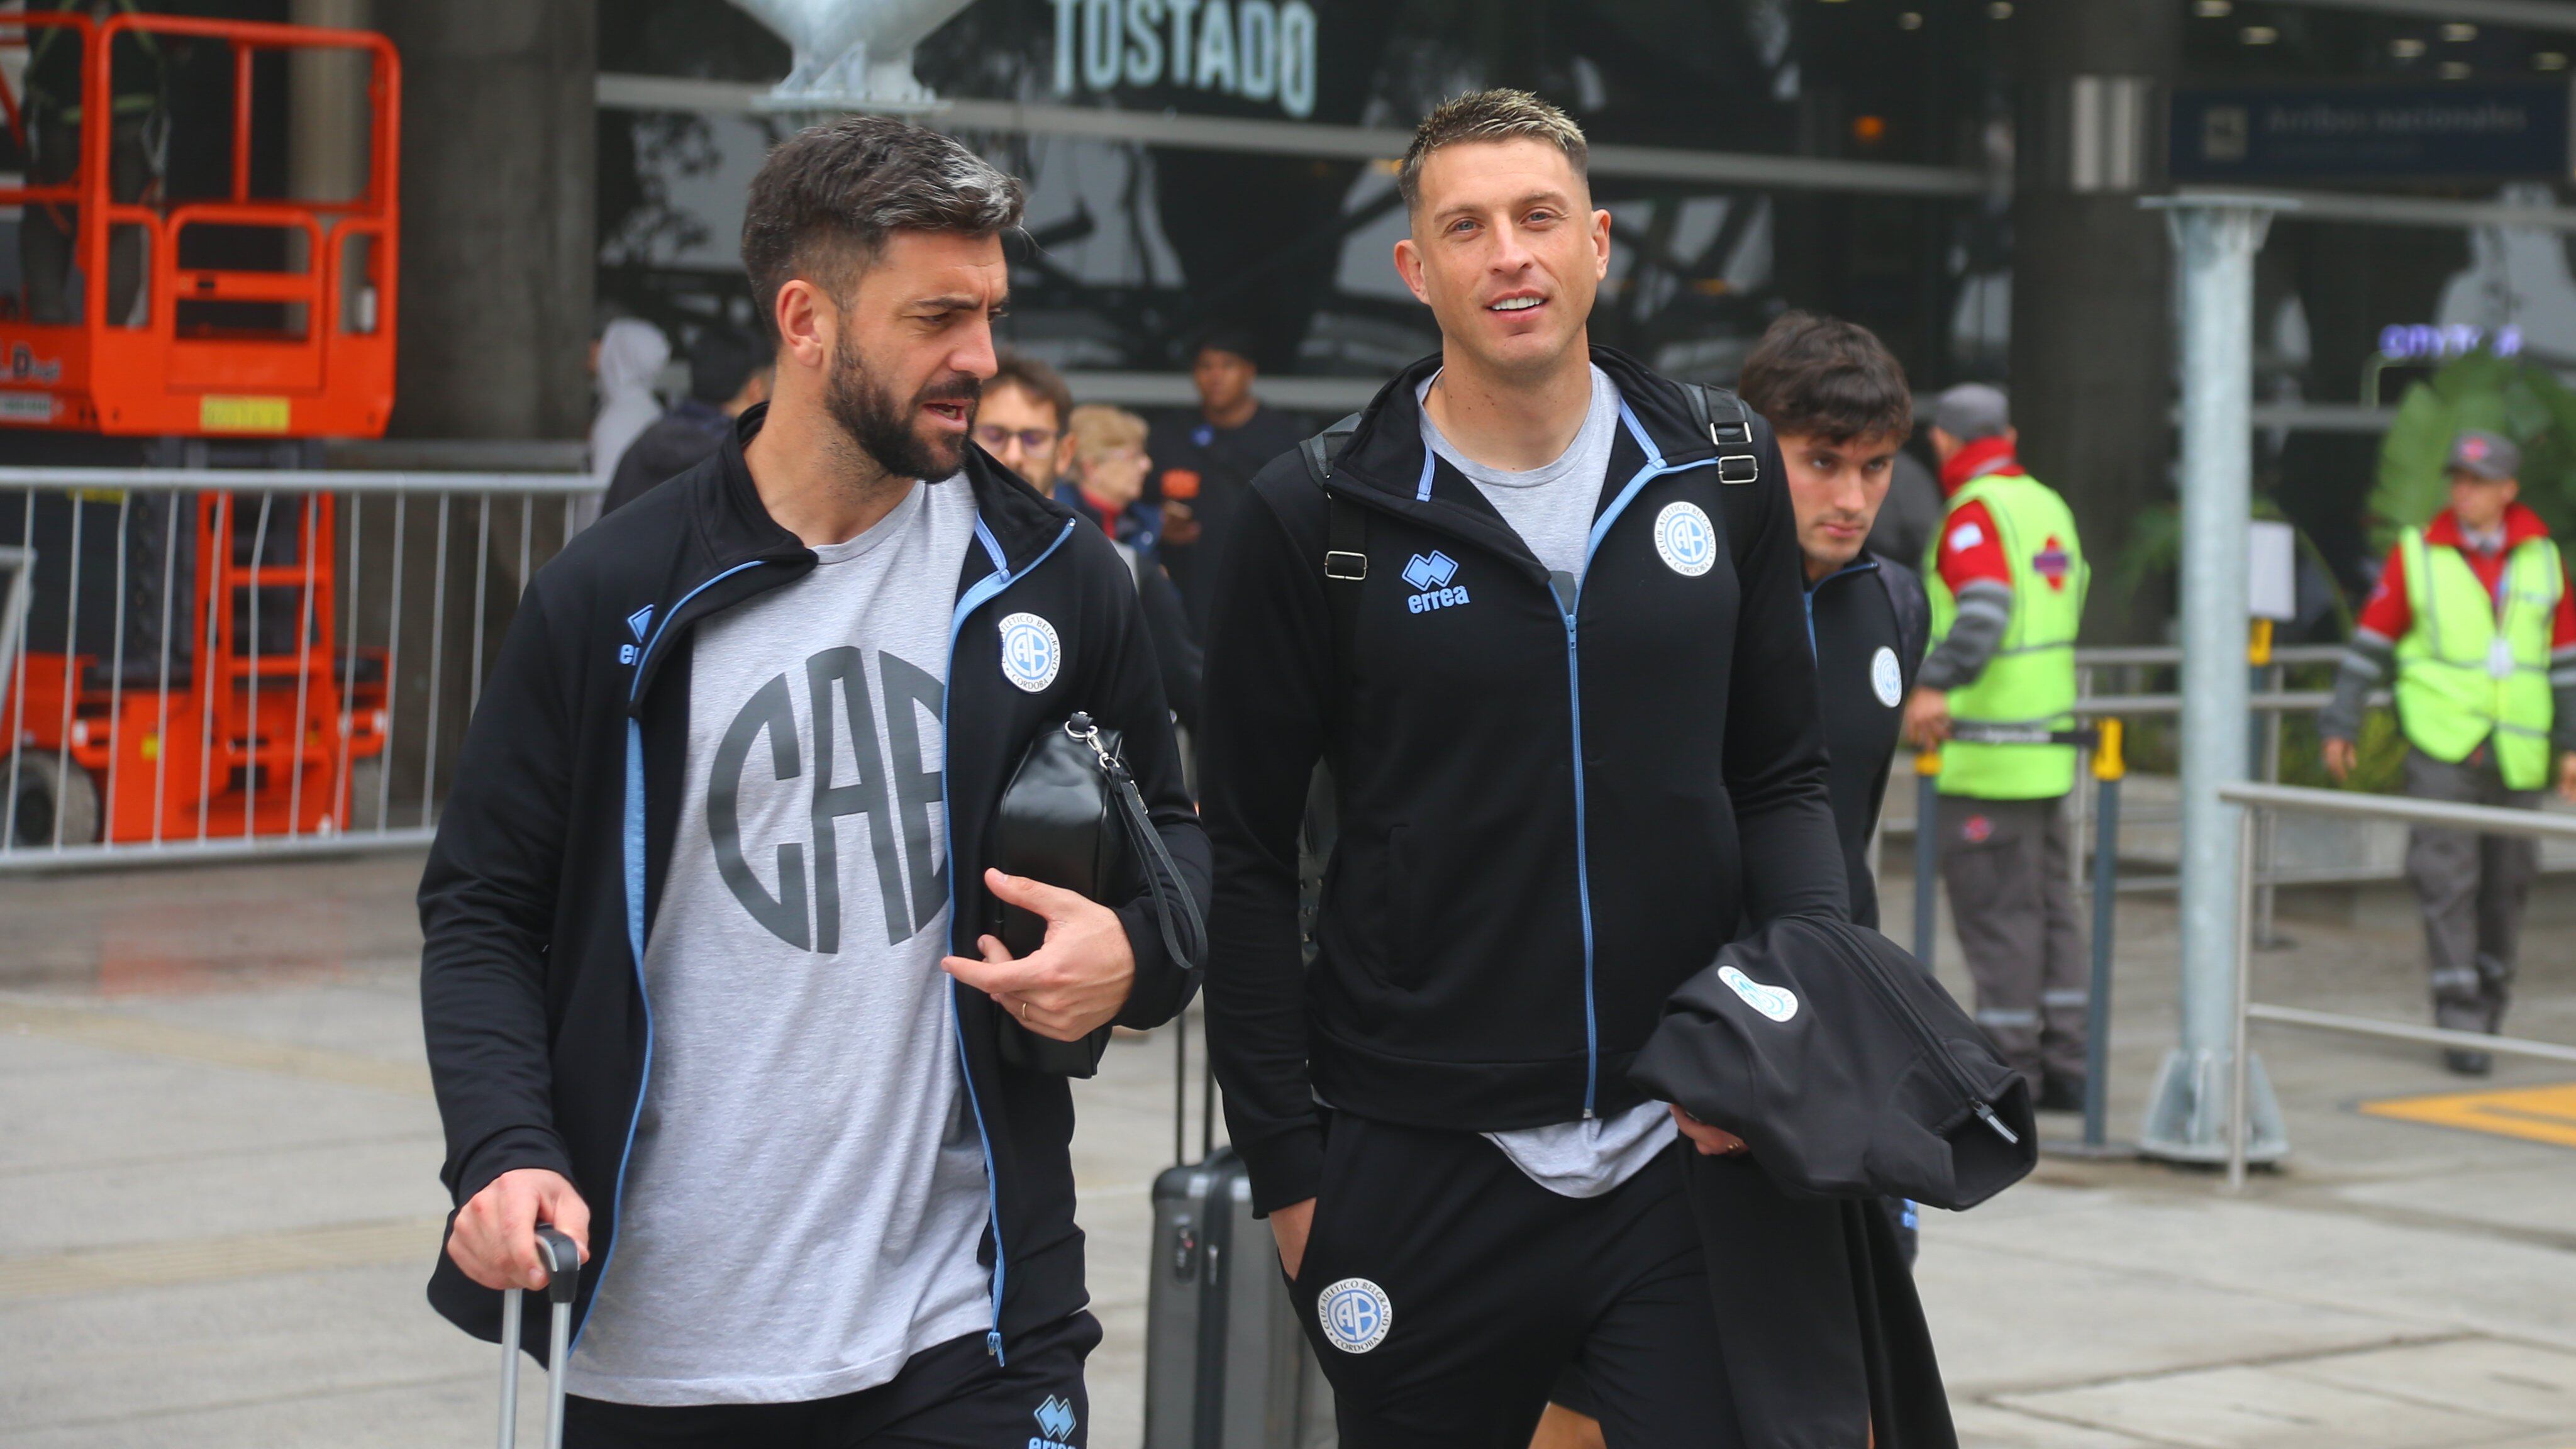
(1845, 1068)
(1072, 817)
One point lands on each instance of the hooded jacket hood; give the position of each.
(632, 352)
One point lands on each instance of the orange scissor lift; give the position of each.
(241, 734)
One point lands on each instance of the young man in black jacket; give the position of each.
(719, 829)
(1837, 399)
(1543, 618)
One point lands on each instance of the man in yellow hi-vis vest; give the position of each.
(2006, 575)
(2473, 611)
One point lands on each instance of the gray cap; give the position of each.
(1972, 410)
(2482, 454)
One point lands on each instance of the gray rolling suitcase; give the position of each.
(563, 1269)
(1226, 1364)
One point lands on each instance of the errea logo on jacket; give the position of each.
(637, 622)
(1430, 575)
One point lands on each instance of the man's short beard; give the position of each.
(886, 429)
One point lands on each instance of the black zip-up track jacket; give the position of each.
(1552, 812)
(550, 857)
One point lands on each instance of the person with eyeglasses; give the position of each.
(1021, 420)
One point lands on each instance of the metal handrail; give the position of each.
(2484, 819)
(2108, 656)
(2250, 797)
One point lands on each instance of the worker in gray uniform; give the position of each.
(2006, 577)
(2472, 615)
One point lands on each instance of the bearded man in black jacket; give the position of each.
(1543, 618)
(704, 980)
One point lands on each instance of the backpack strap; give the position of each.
(1346, 532)
(1722, 415)
(1913, 616)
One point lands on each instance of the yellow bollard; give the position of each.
(2107, 763)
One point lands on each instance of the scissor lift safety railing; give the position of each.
(301, 345)
(2253, 799)
(211, 663)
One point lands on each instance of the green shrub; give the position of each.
(2481, 390)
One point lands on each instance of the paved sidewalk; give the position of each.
(218, 1203)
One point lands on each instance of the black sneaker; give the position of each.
(2467, 1063)
(2062, 1094)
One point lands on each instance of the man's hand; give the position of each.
(1927, 716)
(1074, 982)
(2341, 755)
(2567, 777)
(495, 1239)
(1290, 1225)
(1711, 1141)
(1180, 525)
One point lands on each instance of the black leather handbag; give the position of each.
(1072, 817)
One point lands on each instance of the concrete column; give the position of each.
(497, 244)
(499, 130)
(2187, 1115)
(2092, 309)
(328, 135)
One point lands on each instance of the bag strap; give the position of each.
(1345, 532)
(1913, 617)
(1718, 412)
(1176, 911)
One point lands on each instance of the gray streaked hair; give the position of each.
(1494, 115)
(829, 196)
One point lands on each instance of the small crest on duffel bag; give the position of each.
(1776, 1002)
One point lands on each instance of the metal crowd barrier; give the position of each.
(234, 662)
(2258, 799)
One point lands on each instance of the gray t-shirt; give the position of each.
(1551, 507)
(806, 1195)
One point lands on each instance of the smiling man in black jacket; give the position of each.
(703, 980)
(1543, 618)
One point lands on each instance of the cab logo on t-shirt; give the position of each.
(783, 780)
(1031, 653)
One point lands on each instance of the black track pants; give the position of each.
(949, 1396)
(1467, 1288)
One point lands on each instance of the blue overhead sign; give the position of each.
(2244, 133)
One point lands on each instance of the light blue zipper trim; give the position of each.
(975, 597)
(1654, 468)
(634, 861)
(1862, 565)
(1422, 490)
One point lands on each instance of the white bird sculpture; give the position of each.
(852, 54)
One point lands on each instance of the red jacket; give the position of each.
(2387, 613)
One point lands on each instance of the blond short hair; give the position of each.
(1098, 428)
(1494, 115)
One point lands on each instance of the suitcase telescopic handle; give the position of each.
(562, 1262)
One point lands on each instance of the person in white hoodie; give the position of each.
(631, 353)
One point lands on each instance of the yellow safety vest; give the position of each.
(2475, 665)
(2030, 681)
